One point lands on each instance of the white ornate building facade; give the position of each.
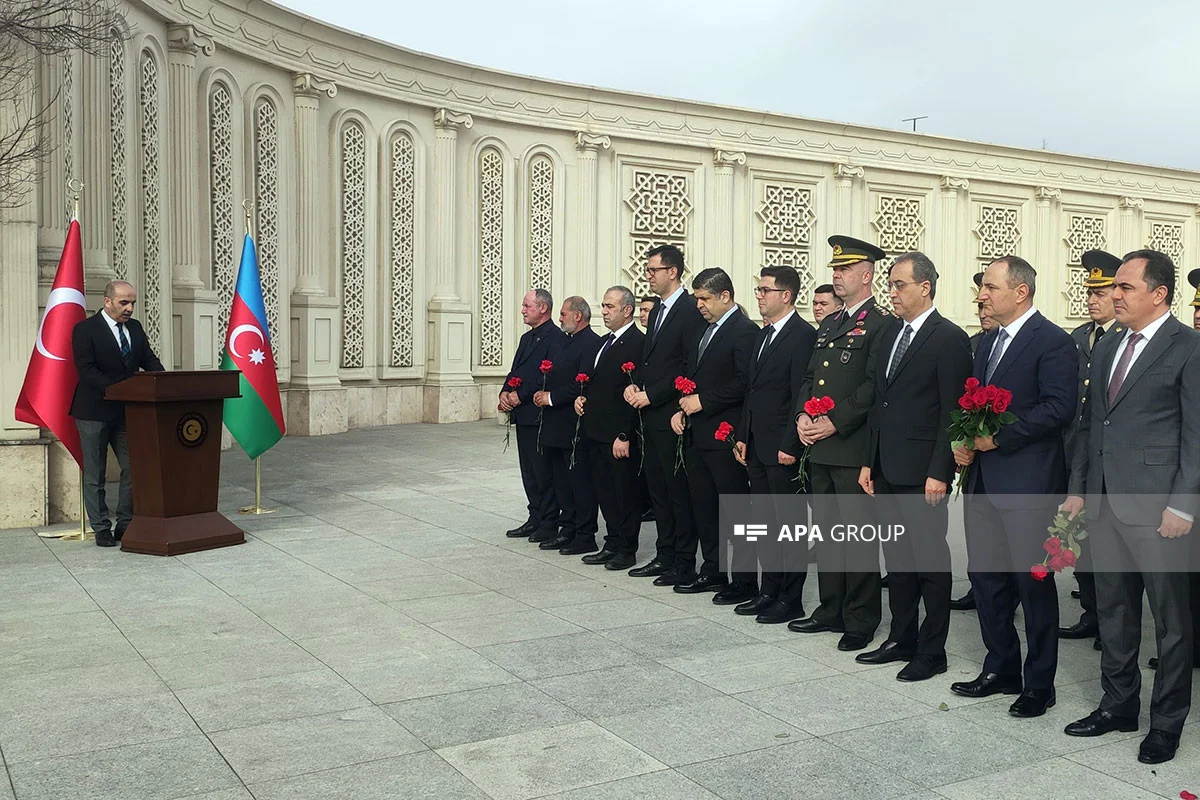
(403, 204)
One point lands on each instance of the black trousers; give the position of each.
(784, 567)
(538, 478)
(581, 521)
(615, 480)
(710, 474)
(669, 496)
(1002, 545)
(918, 565)
(1119, 595)
(95, 438)
(849, 599)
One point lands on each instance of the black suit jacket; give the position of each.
(536, 345)
(664, 358)
(606, 414)
(574, 356)
(767, 422)
(721, 375)
(100, 365)
(909, 420)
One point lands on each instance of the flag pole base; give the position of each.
(256, 510)
(77, 536)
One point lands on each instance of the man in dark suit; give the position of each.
(610, 424)
(540, 343)
(109, 347)
(825, 302)
(640, 488)
(719, 363)
(910, 465)
(843, 368)
(1101, 269)
(1140, 473)
(767, 442)
(673, 323)
(1013, 486)
(571, 478)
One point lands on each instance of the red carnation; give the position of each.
(723, 432)
(1039, 572)
(1186, 795)
(812, 407)
(972, 384)
(514, 382)
(827, 404)
(546, 367)
(685, 385)
(628, 367)
(1053, 545)
(582, 378)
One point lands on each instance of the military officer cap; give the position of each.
(847, 250)
(1102, 268)
(1194, 280)
(978, 278)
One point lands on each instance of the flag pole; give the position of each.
(257, 508)
(75, 186)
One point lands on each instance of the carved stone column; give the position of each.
(723, 218)
(1046, 256)
(95, 208)
(1129, 226)
(954, 265)
(315, 403)
(589, 147)
(184, 42)
(52, 197)
(450, 391)
(846, 176)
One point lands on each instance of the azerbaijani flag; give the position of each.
(256, 418)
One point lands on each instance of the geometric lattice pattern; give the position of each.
(403, 208)
(67, 100)
(659, 205)
(266, 210)
(120, 209)
(1167, 237)
(491, 257)
(541, 222)
(220, 166)
(354, 244)
(151, 166)
(998, 230)
(1084, 232)
(898, 225)
(786, 217)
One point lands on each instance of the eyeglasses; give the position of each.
(760, 291)
(896, 286)
(651, 270)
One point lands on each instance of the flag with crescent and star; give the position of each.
(256, 418)
(50, 381)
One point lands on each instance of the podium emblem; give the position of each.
(192, 430)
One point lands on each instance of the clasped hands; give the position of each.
(508, 401)
(636, 397)
(965, 456)
(812, 431)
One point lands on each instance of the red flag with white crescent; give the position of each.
(50, 381)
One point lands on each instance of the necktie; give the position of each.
(901, 349)
(612, 337)
(708, 334)
(1118, 378)
(125, 352)
(1097, 332)
(770, 334)
(658, 322)
(997, 351)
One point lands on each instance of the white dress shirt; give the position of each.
(112, 327)
(1012, 330)
(916, 326)
(665, 308)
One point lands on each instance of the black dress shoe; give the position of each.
(105, 540)
(521, 531)
(603, 557)
(735, 593)
(853, 640)
(703, 583)
(922, 668)
(620, 562)
(1158, 746)
(543, 535)
(577, 547)
(885, 581)
(1074, 594)
(886, 653)
(118, 534)
(755, 605)
(1079, 630)
(813, 625)
(1152, 663)
(1096, 644)
(1100, 722)
(648, 515)
(1032, 703)
(651, 570)
(780, 612)
(671, 577)
(964, 603)
(557, 543)
(988, 684)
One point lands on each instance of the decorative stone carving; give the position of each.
(220, 202)
(305, 84)
(266, 209)
(66, 101)
(117, 165)
(848, 172)
(899, 223)
(491, 258)
(354, 244)
(1047, 193)
(1132, 202)
(149, 148)
(445, 118)
(786, 217)
(724, 158)
(186, 39)
(591, 141)
(998, 230)
(659, 205)
(952, 184)
(540, 223)
(1167, 237)
(402, 257)
(1084, 232)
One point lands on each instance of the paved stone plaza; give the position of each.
(379, 637)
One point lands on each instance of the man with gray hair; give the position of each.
(540, 343)
(570, 476)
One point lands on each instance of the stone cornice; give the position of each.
(263, 31)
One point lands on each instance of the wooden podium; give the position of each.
(173, 421)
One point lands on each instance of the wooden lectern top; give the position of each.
(176, 386)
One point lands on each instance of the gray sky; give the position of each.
(1110, 78)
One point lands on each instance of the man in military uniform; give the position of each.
(1194, 280)
(1101, 270)
(842, 367)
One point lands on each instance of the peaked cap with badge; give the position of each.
(1101, 269)
(848, 250)
(1194, 280)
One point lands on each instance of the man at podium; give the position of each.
(109, 347)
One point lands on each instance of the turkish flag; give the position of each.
(50, 381)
